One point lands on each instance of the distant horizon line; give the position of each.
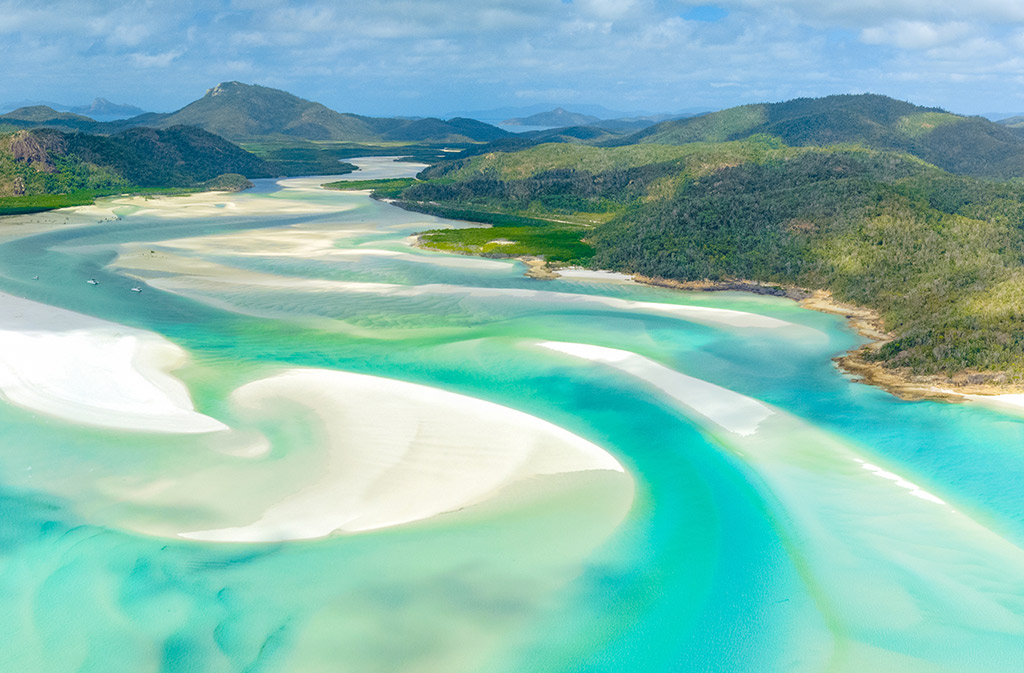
(495, 115)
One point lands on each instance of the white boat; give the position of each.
(92, 281)
(136, 289)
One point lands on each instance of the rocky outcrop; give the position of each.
(36, 149)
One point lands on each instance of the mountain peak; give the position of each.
(242, 112)
(226, 87)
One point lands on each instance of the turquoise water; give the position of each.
(773, 550)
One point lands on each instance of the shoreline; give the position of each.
(867, 323)
(962, 387)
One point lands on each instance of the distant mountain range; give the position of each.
(552, 118)
(562, 118)
(248, 112)
(496, 115)
(241, 112)
(1016, 121)
(100, 109)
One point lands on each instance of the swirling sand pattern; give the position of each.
(306, 446)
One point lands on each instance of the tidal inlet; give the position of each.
(265, 431)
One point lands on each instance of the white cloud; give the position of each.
(916, 34)
(161, 60)
(479, 53)
(859, 13)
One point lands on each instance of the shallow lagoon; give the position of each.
(775, 516)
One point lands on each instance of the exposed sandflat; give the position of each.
(199, 273)
(399, 452)
(91, 371)
(729, 410)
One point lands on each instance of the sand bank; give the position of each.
(859, 528)
(325, 243)
(398, 452)
(731, 411)
(1006, 401)
(205, 276)
(93, 372)
(700, 314)
(590, 274)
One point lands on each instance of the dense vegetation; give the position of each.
(555, 243)
(966, 145)
(302, 158)
(20, 205)
(45, 168)
(383, 188)
(941, 256)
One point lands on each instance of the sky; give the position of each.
(432, 57)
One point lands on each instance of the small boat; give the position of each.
(92, 281)
(136, 289)
(35, 277)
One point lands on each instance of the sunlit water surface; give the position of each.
(781, 518)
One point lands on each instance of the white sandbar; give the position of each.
(1008, 401)
(734, 412)
(589, 274)
(93, 372)
(197, 273)
(399, 452)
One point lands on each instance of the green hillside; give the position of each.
(252, 113)
(242, 112)
(42, 113)
(248, 112)
(939, 255)
(966, 145)
(557, 117)
(46, 168)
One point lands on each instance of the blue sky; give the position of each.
(420, 57)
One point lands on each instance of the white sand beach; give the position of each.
(1005, 402)
(592, 274)
(90, 371)
(397, 452)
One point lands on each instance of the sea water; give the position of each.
(788, 540)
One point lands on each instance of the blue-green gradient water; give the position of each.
(797, 546)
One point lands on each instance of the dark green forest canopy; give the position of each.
(44, 168)
(939, 255)
(966, 145)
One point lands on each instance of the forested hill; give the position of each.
(77, 166)
(248, 112)
(966, 145)
(42, 113)
(243, 112)
(553, 118)
(939, 255)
